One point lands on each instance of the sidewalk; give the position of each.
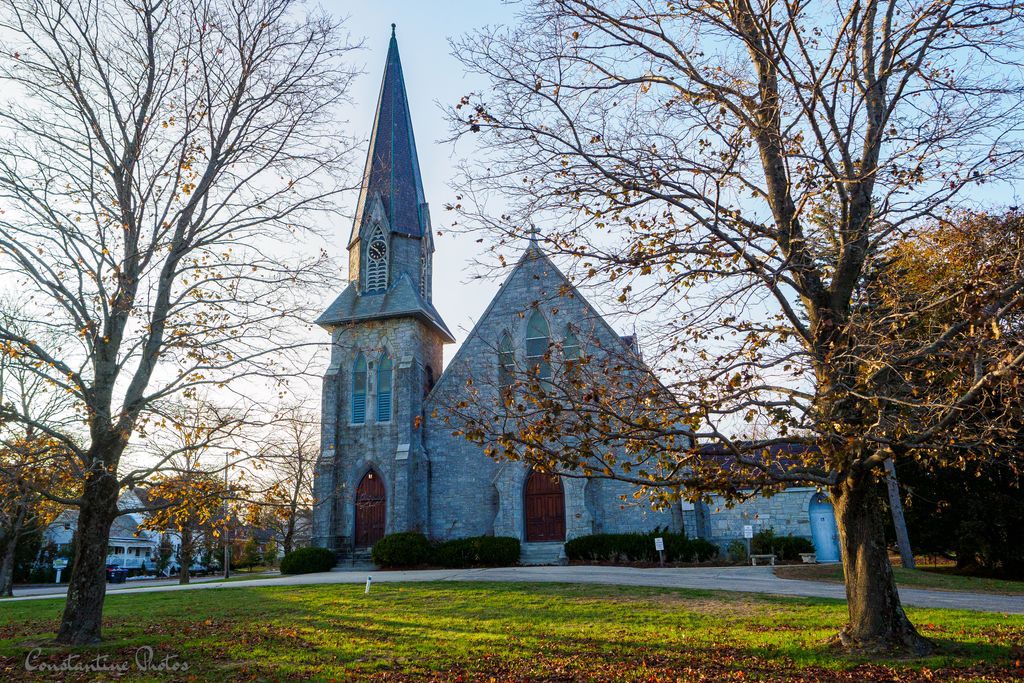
(51, 590)
(737, 579)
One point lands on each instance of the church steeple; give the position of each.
(392, 171)
(391, 248)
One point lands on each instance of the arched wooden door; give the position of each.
(544, 507)
(370, 504)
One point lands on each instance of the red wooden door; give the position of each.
(370, 500)
(545, 508)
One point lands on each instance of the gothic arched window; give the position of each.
(384, 380)
(377, 261)
(570, 349)
(538, 338)
(359, 390)
(506, 362)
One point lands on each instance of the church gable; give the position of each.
(535, 286)
(535, 309)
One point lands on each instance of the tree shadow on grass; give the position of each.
(516, 631)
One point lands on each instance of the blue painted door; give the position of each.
(824, 532)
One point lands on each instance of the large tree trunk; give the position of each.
(7, 569)
(899, 522)
(877, 621)
(10, 549)
(83, 610)
(185, 551)
(289, 533)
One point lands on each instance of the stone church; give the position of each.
(388, 461)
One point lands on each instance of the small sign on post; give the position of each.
(748, 533)
(60, 564)
(659, 545)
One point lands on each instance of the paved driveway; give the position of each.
(739, 579)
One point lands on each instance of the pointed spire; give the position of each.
(392, 168)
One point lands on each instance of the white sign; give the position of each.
(60, 563)
(748, 531)
(659, 544)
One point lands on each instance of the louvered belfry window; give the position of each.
(359, 390)
(424, 269)
(377, 261)
(384, 381)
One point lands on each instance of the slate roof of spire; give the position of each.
(392, 168)
(402, 299)
(393, 173)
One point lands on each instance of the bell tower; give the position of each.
(391, 233)
(386, 345)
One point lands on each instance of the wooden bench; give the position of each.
(769, 557)
(809, 558)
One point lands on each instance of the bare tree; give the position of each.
(156, 156)
(740, 173)
(291, 460)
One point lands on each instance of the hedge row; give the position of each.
(411, 549)
(404, 549)
(480, 551)
(308, 561)
(638, 548)
(784, 547)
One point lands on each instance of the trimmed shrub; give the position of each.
(308, 561)
(787, 548)
(479, 551)
(404, 549)
(737, 552)
(792, 547)
(638, 548)
(703, 550)
(44, 574)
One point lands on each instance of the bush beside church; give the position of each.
(638, 547)
(412, 549)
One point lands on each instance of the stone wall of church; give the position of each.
(470, 493)
(622, 513)
(786, 513)
(393, 449)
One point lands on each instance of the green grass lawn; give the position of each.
(938, 578)
(504, 632)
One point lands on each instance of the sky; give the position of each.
(433, 79)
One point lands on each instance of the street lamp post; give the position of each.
(227, 525)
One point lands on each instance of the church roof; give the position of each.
(392, 169)
(402, 299)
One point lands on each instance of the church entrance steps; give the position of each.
(357, 558)
(542, 553)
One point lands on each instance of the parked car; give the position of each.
(116, 574)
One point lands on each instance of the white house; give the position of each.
(130, 545)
